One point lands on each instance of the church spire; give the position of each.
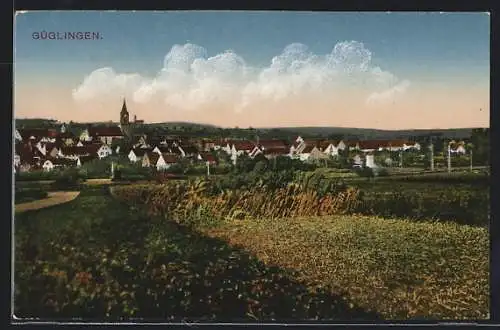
(124, 106)
(124, 117)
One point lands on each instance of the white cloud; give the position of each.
(190, 79)
(389, 95)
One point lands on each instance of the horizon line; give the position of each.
(263, 127)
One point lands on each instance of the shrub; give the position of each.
(37, 175)
(68, 179)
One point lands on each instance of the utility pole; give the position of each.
(112, 170)
(432, 154)
(449, 157)
(208, 168)
(470, 159)
(401, 158)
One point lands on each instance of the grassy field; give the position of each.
(97, 256)
(399, 268)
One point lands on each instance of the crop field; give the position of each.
(195, 250)
(399, 268)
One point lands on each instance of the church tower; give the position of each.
(125, 121)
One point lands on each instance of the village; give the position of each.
(51, 149)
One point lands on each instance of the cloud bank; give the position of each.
(190, 78)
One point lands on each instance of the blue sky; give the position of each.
(416, 54)
(135, 41)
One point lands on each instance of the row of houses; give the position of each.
(48, 149)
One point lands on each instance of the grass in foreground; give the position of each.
(399, 268)
(96, 257)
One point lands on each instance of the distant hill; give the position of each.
(187, 128)
(369, 133)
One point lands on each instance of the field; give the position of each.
(175, 251)
(399, 268)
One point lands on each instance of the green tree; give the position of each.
(480, 139)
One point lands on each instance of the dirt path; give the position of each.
(92, 182)
(54, 198)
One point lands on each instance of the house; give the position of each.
(271, 153)
(218, 145)
(207, 158)
(150, 158)
(458, 147)
(165, 161)
(27, 157)
(277, 146)
(370, 161)
(332, 148)
(305, 152)
(162, 149)
(357, 161)
(101, 151)
(412, 145)
(81, 160)
(316, 154)
(48, 149)
(52, 163)
(206, 145)
(239, 148)
(300, 145)
(372, 145)
(352, 145)
(105, 135)
(136, 154)
(188, 150)
(17, 136)
(67, 138)
(17, 160)
(85, 135)
(104, 151)
(46, 135)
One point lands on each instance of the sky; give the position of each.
(255, 69)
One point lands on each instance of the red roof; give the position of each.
(153, 157)
(207, 157)
(276, 151)
(308, 148)
(141, 151)
(371, 144)
(273, 144)
(169, 158)
(80, 151)
(105, 131)
(351, 144)
(243, 145)
(314, 143)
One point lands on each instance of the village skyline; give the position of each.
(250, 69)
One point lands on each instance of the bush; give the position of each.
(68, 179)
(38, 175)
